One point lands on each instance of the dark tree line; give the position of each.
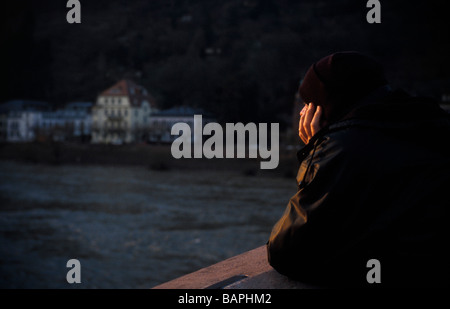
(239, 59)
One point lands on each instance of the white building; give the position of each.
(121, 114)
(3, 127)
(22, 126)
(73, 122)
(21, 119)
(26, 121)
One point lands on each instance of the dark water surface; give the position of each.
(128, 226)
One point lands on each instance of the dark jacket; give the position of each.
(374, 185)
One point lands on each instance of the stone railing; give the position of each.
(249, 270)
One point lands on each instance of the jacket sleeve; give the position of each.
(312, 230)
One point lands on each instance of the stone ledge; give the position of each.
(249, 270)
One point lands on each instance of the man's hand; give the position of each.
(309, 123)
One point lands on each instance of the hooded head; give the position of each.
(338, 81)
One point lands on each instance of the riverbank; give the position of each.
(153, 157)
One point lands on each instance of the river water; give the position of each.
(129, 227)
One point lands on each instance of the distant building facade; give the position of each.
(121, 114)
(26, 121)
(161, 123)
(3, 127)
(23, 125)
(72, 123)
(20, 119)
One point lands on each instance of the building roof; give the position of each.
(64, 114)
(24, 105)
(79, 105)
(182, 111)
(136, 93)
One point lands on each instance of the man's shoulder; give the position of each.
(330, 145)
(349, 134)
(354, 141)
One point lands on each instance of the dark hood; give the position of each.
(397, 107)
